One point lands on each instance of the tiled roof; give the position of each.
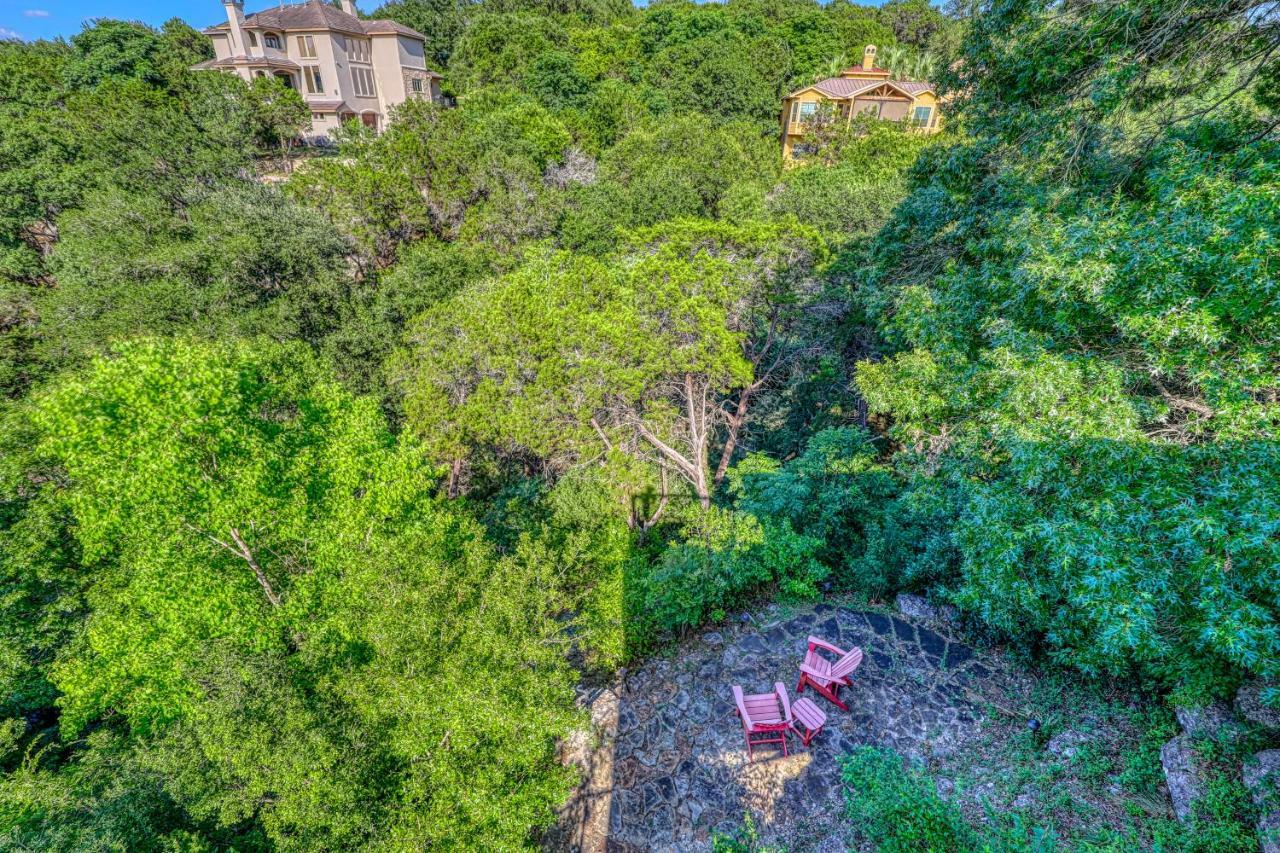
(382, 25)
(314, 15)
(915, 87)
(845, 87)
(230, 61)
(328, 106)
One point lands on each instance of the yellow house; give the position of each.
(860, 90)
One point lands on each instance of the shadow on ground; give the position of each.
(665, 766)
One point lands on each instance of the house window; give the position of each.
(317, 116)
(807, 110)
(312, 75)
(872, 109)
(362, 80)
(272, 40)
(253, 39)
(360, 50)
(307, 47)
(417, 84)
(921, 116)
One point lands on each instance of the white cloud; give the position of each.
(6, 33)
(36, 13)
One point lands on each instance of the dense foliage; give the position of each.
(324, 474)
(1079, 335)
(897, 808)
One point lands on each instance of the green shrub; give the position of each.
(720, 559)
(896, 808)
(875, 536)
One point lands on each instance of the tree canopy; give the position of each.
(327, 473)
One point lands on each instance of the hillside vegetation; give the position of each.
(318, 496)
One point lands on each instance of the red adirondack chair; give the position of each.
(825, 676)
(767, 714)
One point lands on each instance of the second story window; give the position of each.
(921, 116)
(360, 50)
(362, 81)
(253, 39)
(315, 85)
(307, 47)
(272, 40)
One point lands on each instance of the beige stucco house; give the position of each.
(863, 89)
(345, 68)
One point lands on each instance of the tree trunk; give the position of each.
(736, 420)
(248, 557)
(454, 487)
(696, 413)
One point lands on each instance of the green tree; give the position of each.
(914, 22)
(279, 114)
(866, 179)
(1075, 338)
(182, 47)
(115, 50)
(858, 26)
(659, 351)
(299, 637)
(725, 76)
(433, 169)
(243, 260)
(554, 80)
(665, 169)
(500, 48)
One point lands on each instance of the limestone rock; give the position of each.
(1067, 743)
(1183, 774)
(918, 607)
(915, 606)
(1205, 721)
(1262, 778)
(1249, 705)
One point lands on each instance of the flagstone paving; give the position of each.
(664, 762)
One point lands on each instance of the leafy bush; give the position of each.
(896, 808)
(719, 560)
(835, 492)
(878, 532)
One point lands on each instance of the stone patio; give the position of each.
(664, 762)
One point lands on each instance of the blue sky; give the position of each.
(33, 19)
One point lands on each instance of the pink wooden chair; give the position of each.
(826, 676)
(767, 714)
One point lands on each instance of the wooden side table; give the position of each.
(808, 719)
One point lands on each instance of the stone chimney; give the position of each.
(235, 17)
(868, 56)
(349, 7)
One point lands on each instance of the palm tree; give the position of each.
(834, 66)
(907, 63)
